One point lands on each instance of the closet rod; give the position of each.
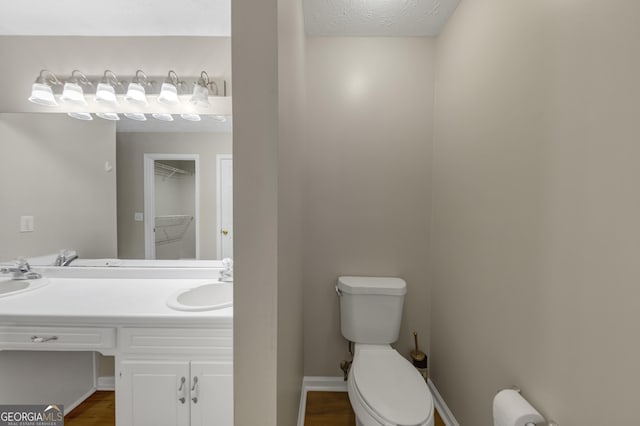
(171, 169)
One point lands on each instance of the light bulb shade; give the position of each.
(73, 93)
(162, 116)
(200, 96)
(168, 94)
(80, 116)
(190, 117)
(106, 93)
(135, 116)
(136, 94)
(108, 116)
(42, 94)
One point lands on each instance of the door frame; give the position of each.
(219, 158)
(150, 199)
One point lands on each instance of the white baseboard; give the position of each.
(314, 383)
(70, 407)
(106, 383)
(337, 384)
(441, 406)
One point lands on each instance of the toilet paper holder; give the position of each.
(545, 423)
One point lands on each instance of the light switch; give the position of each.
(138, 216)
(26, 223)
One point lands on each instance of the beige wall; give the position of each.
(267, 145)
(367, 181)
(291, 151)
(536, 206)
(131, 148)
(52, 167)
(255, 206)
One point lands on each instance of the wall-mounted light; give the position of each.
(162, 116)
(169, 90)
(136, 92)
(80, 116)
(72, 91)
(106, 91)
(200, 96)
(108, 116)
(41, 92)
(137, 104)
(190, 117)
(135, 116)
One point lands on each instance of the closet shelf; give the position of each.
(171, 228)
(169, 171)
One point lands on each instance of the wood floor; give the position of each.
(98, 410)
(323, 409)
(334, 408)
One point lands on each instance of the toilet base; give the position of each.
(363, 416)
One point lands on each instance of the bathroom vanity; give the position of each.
(173, 365)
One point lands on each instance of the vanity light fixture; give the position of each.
(72, 91)
(74, 101)
(81, 116)
(162, 116)
(169, 90)
(136, 91)
(41, 92)
(106, 92)
(200, 95)
(138, 116)
(190, 117)
(108, 116)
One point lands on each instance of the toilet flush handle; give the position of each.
(338, 291)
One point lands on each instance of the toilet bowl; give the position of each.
(385, 389)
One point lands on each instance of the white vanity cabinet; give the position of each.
(174, 377)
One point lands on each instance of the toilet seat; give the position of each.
(389, 387)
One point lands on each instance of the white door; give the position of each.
(153, 393)
(225, 206)
(212, 393)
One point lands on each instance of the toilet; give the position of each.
(384, 388)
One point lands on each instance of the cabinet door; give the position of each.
(211, 393)
(153, 393)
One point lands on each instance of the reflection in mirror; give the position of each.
(81, 185)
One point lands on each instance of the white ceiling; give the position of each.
(377, 17)
(116, 17)
(213, 17)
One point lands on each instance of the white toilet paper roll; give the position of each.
(511, 409)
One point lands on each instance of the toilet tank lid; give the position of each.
(391, 286)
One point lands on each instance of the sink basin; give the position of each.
(205, 297)
(9, 287)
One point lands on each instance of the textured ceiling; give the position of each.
(213, 17)
(377, 17)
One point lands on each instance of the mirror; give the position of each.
(81, 185)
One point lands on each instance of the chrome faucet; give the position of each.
(21, 271)
(65, 257)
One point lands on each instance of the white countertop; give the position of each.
(108, 301)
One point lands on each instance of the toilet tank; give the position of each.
(371, 308)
